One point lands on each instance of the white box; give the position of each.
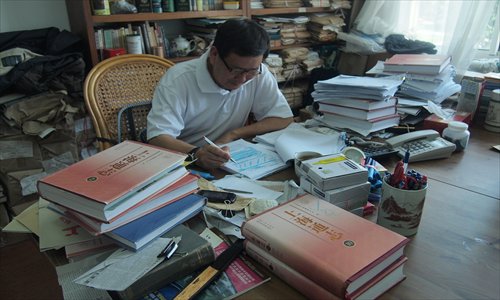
(348, 198)
(333, 171)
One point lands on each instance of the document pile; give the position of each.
(424, 85)
(361, 104)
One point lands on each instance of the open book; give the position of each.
(259, 160)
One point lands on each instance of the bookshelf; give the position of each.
(83, 22)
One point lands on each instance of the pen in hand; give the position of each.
(213, 144)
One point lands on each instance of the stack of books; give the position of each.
(360, 104)
(131, 192)
(336, 179)
(427, 77)
(324, 251)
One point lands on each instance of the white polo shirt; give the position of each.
(188, 104)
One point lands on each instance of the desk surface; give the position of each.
(456, 252)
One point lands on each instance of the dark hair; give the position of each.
(242, 37)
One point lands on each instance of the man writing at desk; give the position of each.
(213, 96)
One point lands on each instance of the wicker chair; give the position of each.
(118, 93)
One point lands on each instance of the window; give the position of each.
(455, 27)
(489, 43)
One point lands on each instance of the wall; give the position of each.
(32, 14)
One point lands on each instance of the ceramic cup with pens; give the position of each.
(400, 209)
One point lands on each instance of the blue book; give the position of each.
(140, 232)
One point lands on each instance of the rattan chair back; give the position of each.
(117, 83)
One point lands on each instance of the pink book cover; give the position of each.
(301, 283)
(241, 275)
(113, 173)
(381, 283)
(95, 226)
(417, 60)
(333, 247)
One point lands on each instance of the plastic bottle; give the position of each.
(457, 133)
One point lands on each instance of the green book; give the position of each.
(193, 254)
(182, 5)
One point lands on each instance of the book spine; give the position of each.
(295, 257)
(304, 285)
(144, 6)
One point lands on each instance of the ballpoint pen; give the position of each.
(213, 144)
(169, 250)
(405, 161)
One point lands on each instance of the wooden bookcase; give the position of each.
(82, 21)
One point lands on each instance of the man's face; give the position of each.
(233, 71)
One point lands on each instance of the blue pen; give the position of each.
(205, 175)
(405, 161)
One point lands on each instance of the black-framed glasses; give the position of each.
(239, 71)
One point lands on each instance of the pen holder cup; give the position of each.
(400, 210)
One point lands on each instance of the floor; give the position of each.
(25, 272)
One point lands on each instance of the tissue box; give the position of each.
(438, 124)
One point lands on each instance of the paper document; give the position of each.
(253, 160)
(245, 184)
(129, 265)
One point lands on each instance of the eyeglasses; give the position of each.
(239, 71)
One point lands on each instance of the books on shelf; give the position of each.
(363, 127)
(348, 197)
(337, 250)
(357, 113)
(114, 180)
(417, 63)
(182, 187)
(332, 171)
(138, 233)
(383, 281)
(196, 253)
(366, 104)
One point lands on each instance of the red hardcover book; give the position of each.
(385, 280)
(110, 182)
(336, 249)
(417, 63)
(181, 188)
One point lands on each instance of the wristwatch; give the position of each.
(192, 153)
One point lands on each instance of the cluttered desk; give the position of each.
(455, 252)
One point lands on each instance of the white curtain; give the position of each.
(454, 26)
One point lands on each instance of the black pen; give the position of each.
(237, 191)
(169, 249)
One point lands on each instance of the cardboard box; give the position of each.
(357, 65)
(348, 198)
(332, 171)
(438, 124)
